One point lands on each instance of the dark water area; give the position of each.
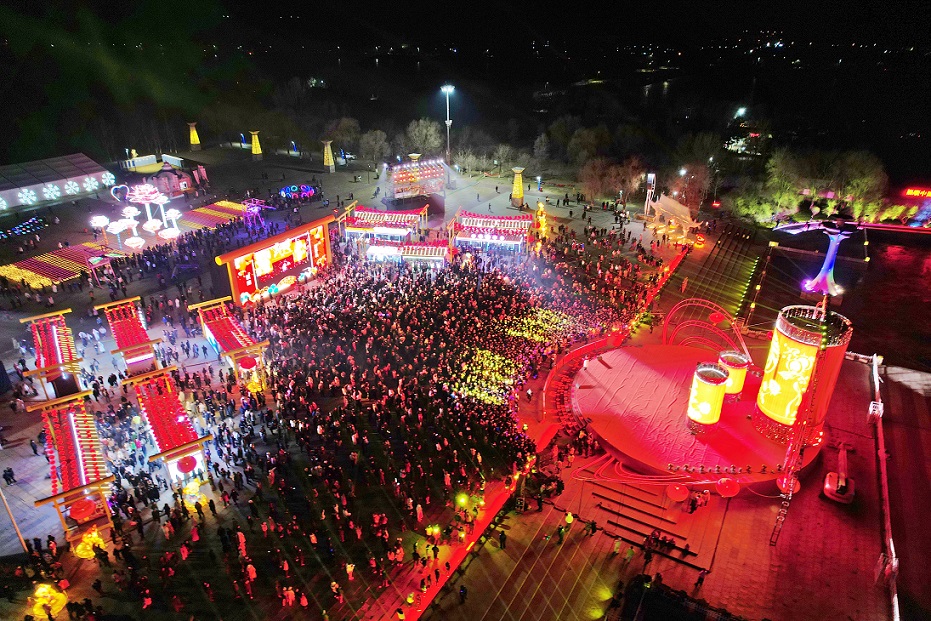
(888, 300)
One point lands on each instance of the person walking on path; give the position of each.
(701, 578)
(592, 527)
(463, 594)
(503, 539)
(629, 554)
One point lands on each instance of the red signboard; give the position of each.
(917, 192)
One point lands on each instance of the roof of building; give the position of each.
(13, 176)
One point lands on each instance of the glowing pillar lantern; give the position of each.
(328, 162)
(256, 147)
(517, 190)
(195, 139)
(707, 394)
(806, 342)
(736, 364)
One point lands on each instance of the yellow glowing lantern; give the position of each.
(85, 549)
(195, 139)
(256, 145)
(48, 595)
(707, 394)
(736, 364)
(191, 495)
(786, 376)
(517, 190)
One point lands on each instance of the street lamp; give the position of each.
(447, 90)
(682, 172)
(101, 222)
(741, 111)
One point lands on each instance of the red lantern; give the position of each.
(247, 363)
(82, 509)
(187, 464)
(677, 492)
(716, 317)
(727, 487)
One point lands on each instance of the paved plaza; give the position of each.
(823, 564)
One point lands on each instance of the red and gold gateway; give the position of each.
(277, 263)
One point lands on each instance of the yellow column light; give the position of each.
(736, 364)
(256, 147)
(328, 162)
(517, 191)
(707, 394)
(195, 139)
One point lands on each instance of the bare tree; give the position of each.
(424, 136)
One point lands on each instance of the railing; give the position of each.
(889, 563)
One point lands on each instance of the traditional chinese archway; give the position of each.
(229, 339)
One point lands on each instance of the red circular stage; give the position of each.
(635, 399)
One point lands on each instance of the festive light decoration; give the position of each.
(27, 197)
(51, 192)
(195, 139)
(161, 406)
(786, 375)
(82, 509)
(130, 212)
(170, 234)
(135, 242)
(99, 222)
(72, 188)
(191, 494)
(296, 191)
(107, 178)
(3, 203)
(187, 464)
(152, 226)
(49, 595)
(707, 393)
(144, 194)
(517, 188)
(736, 364)
(256, 147)
(90, 184)
(85, 548)
(328, 161)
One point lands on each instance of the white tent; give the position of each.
(669, 208)
(51, 180)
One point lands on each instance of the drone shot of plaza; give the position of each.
(360, 311)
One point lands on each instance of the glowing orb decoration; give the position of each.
(90, 184)
(51, 192)
(247, 363)
(85, 548)
(677, 492)
(187, 464)
(108, 179)
(172, 214)
(129, 211)
(137, 420)
(3, 204)
(152, 226)
(99, 222)
(72, 188)
(727, 487)
(716, 317)
(169, 234)
(82, 509)
(707, 393)
(134, 242)
(27, 196)
(47, 595)
(736, 364)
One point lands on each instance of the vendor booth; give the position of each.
(483, 232)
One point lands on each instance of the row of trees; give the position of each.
(815, 183)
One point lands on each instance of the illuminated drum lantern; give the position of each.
(707, 395)
(801, 371)
(736, 364)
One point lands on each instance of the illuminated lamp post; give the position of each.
(447, 90)
(101, 222)
(195, 139)
(173, 215)
(256, 147)
(801, 370)
(328, 162)
(736, 364)
(706, 395)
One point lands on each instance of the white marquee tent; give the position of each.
(53, 179)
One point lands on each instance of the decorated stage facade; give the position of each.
(417, 178)
(483, 231)
(276, 264)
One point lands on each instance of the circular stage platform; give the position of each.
(635, 400)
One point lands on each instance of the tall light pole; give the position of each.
(447, 90)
